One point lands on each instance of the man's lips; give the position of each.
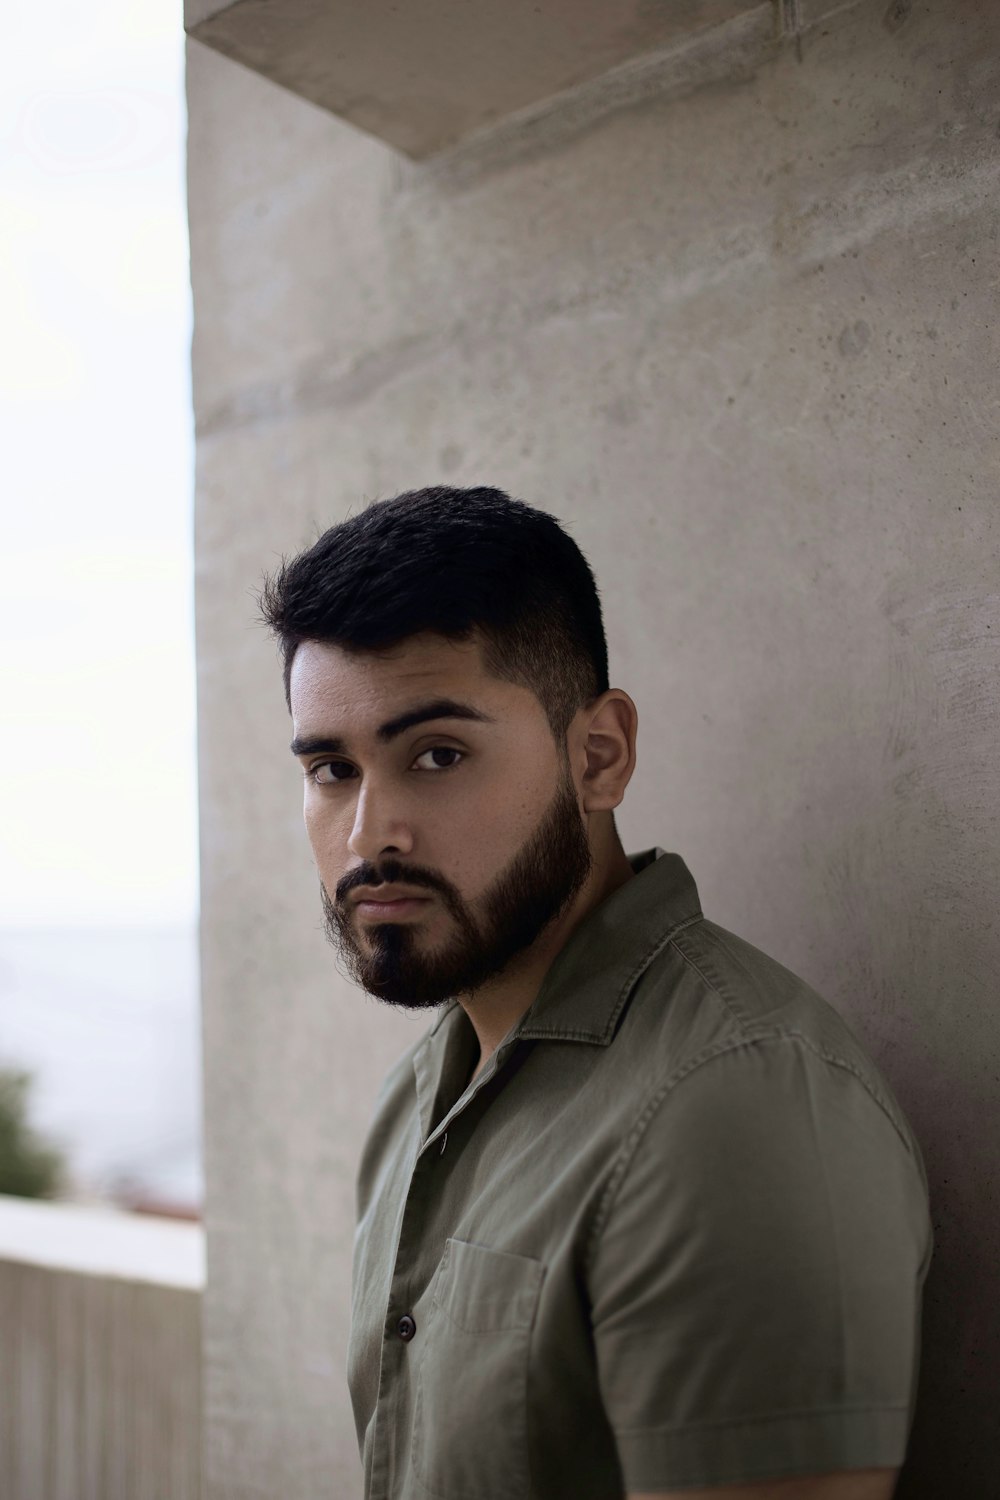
(399, 907)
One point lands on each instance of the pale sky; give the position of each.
(97, 730)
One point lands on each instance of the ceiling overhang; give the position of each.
(425, 75)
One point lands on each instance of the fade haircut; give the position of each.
(459, 562)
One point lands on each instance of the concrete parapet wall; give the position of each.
(100, 1389)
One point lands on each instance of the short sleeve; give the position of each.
(756, 1276)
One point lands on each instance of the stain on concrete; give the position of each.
(622, 410)
(450, 457)
(898, 12)
(853, 337)
(902, 705)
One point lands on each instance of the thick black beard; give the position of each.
(525, 898)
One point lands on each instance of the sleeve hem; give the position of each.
(822, 1442)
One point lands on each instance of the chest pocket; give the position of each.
(470, 1418)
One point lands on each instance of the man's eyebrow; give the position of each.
(437, 708)
(421, 713)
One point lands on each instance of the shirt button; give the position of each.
(406, 1328)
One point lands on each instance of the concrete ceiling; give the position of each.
(424, 75)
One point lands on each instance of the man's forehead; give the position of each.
(335, 692)
(418, 663)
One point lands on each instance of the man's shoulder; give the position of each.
(755, 990)
(712, 993)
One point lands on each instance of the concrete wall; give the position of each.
(739, 338)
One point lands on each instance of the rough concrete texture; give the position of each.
(742, 342)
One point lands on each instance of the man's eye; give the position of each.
(329, 772)
(436, 764)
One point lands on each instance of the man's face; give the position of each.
(438, 793)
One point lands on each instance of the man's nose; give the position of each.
(379, 827)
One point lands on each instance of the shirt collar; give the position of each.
(588, 984)
(585, 990)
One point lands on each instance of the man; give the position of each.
(638, 1215)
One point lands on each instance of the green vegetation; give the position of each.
(28, 1167)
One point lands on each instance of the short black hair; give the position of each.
(457, 562)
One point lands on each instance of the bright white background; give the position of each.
(97, 735)
(97, 727)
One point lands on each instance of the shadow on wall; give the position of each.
(955, 1444)
(917, 984)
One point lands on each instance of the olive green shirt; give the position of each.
(674, 1234)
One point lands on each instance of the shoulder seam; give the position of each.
(636, 1134)
(686, 956)
(830, 1057)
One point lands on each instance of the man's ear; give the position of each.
(606, 739)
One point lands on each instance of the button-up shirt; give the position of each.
(674, 1233)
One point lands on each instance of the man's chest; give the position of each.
(469, 1281)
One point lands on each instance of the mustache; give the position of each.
(391, 872)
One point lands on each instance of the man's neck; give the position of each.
(499, 1005)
